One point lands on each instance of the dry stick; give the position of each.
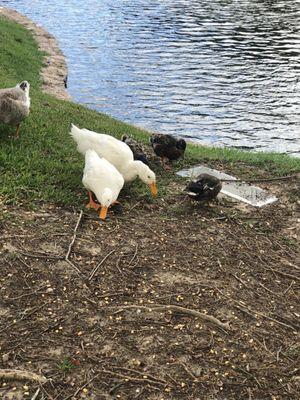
(181, 310)
(33, 310)
(36, 394)
(27, 294)
(14, 236)
(16, 374)
(239, 280)
(103, 296)
(82, 387)
(141, 373)
(280, 178)
(41, 255)
(99, 265)
(130, 378)
(188, 371)
(135, 205)
(275, 271)
(252, 313)
(72, 243)
(286, 290)
(267, 289)
(134, 255)
(74, 236)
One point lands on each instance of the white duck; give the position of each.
(117, 153)
(103, 179)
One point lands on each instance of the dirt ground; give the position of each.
(68, 282)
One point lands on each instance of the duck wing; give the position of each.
(163, 145)
(12, 111)
(112, 149)
(99, 173)
(204, 187)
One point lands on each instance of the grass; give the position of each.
(65, 365)
(43, 165)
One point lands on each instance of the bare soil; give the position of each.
(67, 281)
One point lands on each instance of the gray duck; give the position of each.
(15, 105)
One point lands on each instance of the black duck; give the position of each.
(167, 147)
(204, 187)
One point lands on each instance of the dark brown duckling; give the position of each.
(136, 148)
(167, 147)
(204, 187)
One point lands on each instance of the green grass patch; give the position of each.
(44, 166)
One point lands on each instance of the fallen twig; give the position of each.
(81, 388)
(4, 237)
(131, 378)
(27, 294)
(74, 236)
(188, 371)
(279, 178)
(242, 307)
(144, 374)
(36, 394)
(267, 289)
(239, 280)
(134, 255)
(41, 255)
(72, 243)
(180, 310)
(25, 316)
(99, 265)
(19, 375)
(275, 271)
(286, 290)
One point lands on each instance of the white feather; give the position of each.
(113, 150)
(99, 175)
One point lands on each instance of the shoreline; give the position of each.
(53, 77)
(55, 72)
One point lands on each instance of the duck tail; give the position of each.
(75, 133)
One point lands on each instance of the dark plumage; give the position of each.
(167, 147)
(136, 148)
(204, 188)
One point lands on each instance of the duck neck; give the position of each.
(130, 171)
(27, 98)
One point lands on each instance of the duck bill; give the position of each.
(153, 189)
(103, 212)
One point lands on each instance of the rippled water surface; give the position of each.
(222, 72)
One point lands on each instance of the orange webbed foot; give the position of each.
(91, 203)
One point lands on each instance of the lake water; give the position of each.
(221, 72)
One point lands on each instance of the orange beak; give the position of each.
(153, 189)
(103, 212)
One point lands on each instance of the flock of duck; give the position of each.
(110, 162)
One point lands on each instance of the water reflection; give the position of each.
(223, 72)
